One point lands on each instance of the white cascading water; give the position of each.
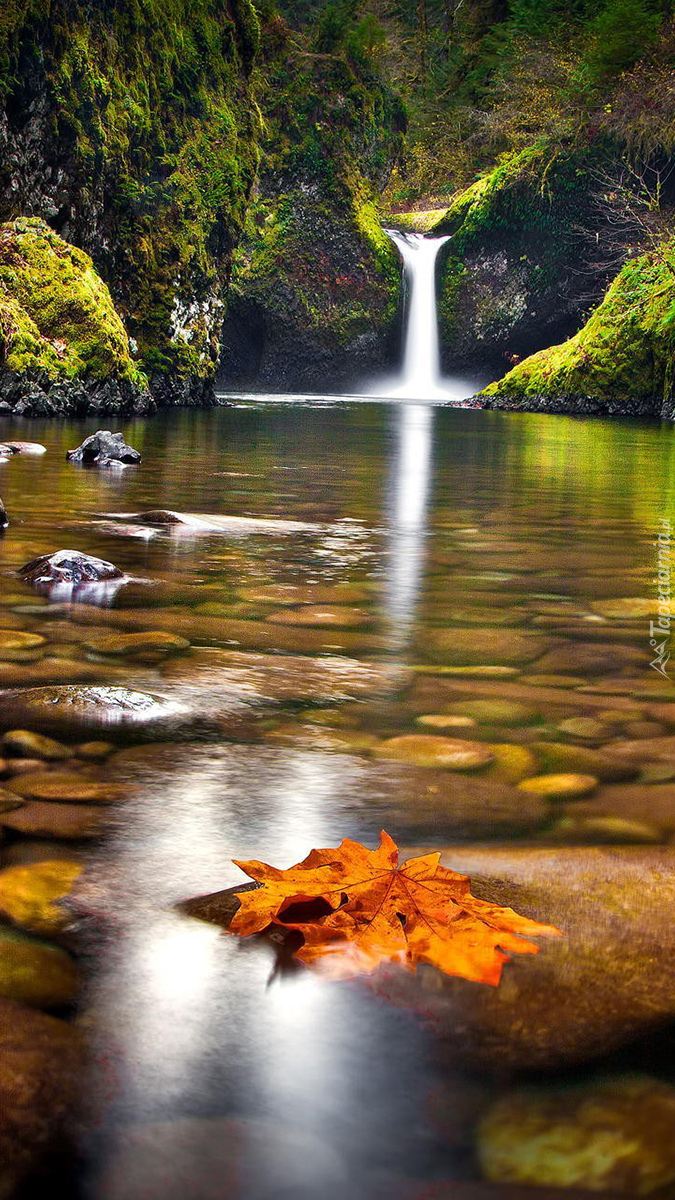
(420, 377)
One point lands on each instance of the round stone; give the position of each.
(132, 644)
(583, 727)
(495, 712)
(12, 640)
(511, 763)
(612, 1135)
(606, 830)
(75, 710)
(445, 721)
(30, 895)
(22, 743)
(34, 972)
(425, 750)
(320, 615)
(563, 757)
(68, 788)
(472, 647)
(68, 566)
(631, 608)
(560, 787)
(94, 751)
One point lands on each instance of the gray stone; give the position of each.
(104, 448)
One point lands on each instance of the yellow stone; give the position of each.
(560, 787)
(511, 763)
(446, 721)
(633, 606)
(613, 1135)
(425, 750)
(29, 894)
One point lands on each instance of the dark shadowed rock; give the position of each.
(102, 449)
(4, 519)
(609, 980)
(83, 710)
(40, 1063)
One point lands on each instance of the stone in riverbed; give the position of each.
(68, 567)
(608, 981)
(34, 972)
(445, 721)
(630, 607)
(495, 712)
(586, 728)
(511, 763)
(321, 616)
(591, 658)
(81, 710)
(104, 448)
(15, 644)
(33, 448)
(67, 788)
(614, 831)
(612, 1134)
(426, 750)
(466, 647)
(22, 743)
(562, 757)
(560, 787)
(4, 519)
(46, 819)
(134, 644)
(30, 895)
(41, 1061)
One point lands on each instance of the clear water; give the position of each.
(435, 516)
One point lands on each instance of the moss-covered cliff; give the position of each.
(315, 285)
(130, 128)
(621, 361)
(63, 346)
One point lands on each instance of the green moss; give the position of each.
(153, 120)
(56, 314)
(625, 349)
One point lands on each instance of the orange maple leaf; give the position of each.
(372, 911)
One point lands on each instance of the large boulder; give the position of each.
(68, 566)
(609, 980)
(102, 449)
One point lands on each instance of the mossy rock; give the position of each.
(619, 362)
(57, 317)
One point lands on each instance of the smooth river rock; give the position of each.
(23, 743)
(87, 710)
(68, 566)
(35, 972)
(47, 819)
(609, 980)
(465, 647)
(30, 895)
(426, 750)
(41, 1060)
(611, 1134)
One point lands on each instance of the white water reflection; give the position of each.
(410, 482)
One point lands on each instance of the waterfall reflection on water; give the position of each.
(409, 496)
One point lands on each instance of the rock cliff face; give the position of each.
(315, 286)
(130, 129)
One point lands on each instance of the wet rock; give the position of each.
(609, 980)
(94, 751)
(4, 519)
(592, 831)
(68, 572)
(26, 851)
(634, 801)
(30, 895)
(630, 607)
(23, 766)
(642, 750)
(511, 763)
(136, 644)
(16, 645)
(586, 728)
(560, 756)
(102, 449)
(591, 658)
(334, 617)
(425, 750)
(310, 593)
(554, 681)
(560, 787)
(657, 773)
(495, 712)
(31, 448)
(81, 710)
(52, 670)
(34, 972)
(66, 822)
(445, 721)
(466, 647)
(22, 743)
(208, 523)
(609, 1134)
(70, 788)
(41, 1060)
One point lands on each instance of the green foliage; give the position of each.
(56, 314)
(620, 34)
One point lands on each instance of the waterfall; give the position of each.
(420, 376)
